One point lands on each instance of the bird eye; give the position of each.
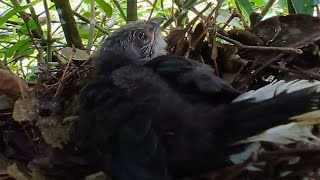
(142, 36)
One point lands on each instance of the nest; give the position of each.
(36, 121)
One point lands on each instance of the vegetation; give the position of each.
(49, 45)
(28, 41)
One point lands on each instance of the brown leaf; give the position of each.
(14, 171)
(12, 85)
(37, 175)
(79, 55)
(53, 132)
(25, 109)
(5, 102)
(97, 176)
(197, 37)
(176, 42)
(4, 162)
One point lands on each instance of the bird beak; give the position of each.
(157, 22)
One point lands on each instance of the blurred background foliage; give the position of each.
(34, 37)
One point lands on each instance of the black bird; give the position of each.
(139, 42)
(146, 117)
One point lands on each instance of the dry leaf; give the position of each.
(197, 37)
(5, 102)
(14, 171)
(53, 132)
(4, 162)
(97, 176)
(12, 85)
(25, 109)
(79, 55)
(36, 175)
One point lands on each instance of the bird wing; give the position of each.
(116, 118)
(195, 80)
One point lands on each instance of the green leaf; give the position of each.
(84, 33)
(106, 7)
(23, 29)
(23, 49)
(244, 8)
(16, 46)
(257, 3)
(283, 4)
(14, 11)
(303, 7)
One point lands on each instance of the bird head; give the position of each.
(139, 41)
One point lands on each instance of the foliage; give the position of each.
(21, 50)
(34, 45)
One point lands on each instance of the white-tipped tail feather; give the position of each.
(299, 130)
(276, 88)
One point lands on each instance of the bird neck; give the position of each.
(108, 60)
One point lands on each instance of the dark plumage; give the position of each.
(153, 121)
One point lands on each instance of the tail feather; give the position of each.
(276, 88)
(248, 118)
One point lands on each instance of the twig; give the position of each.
(85, 19)
(48, 73)
(49, 37)
(260, 48)
(287, 152)
(35, 19)
(233, 15)
(194, 20)
(301, 72)
(62, 80)
(153, 7)
(132, 10)
(117, 4)
(245, 24)
(182, 9)
(266, 9)
(92, 25)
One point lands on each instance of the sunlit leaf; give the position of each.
(106, 7)
(258, 2)
(25, 109)
(245, 8)
(24, 30)
(11, 50)
(283, 4)
(84, 33)
(13, 11)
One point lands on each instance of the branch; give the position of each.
(35, 18)
(260, 48)
(49, 37)
(68, 23)
(132, 10)
(92, 25)
(85, 19)
(116, 2)
(153, 7)
(266, 9)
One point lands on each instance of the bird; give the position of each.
(142, 41)
(145, 114)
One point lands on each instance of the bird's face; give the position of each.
(139, 41)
